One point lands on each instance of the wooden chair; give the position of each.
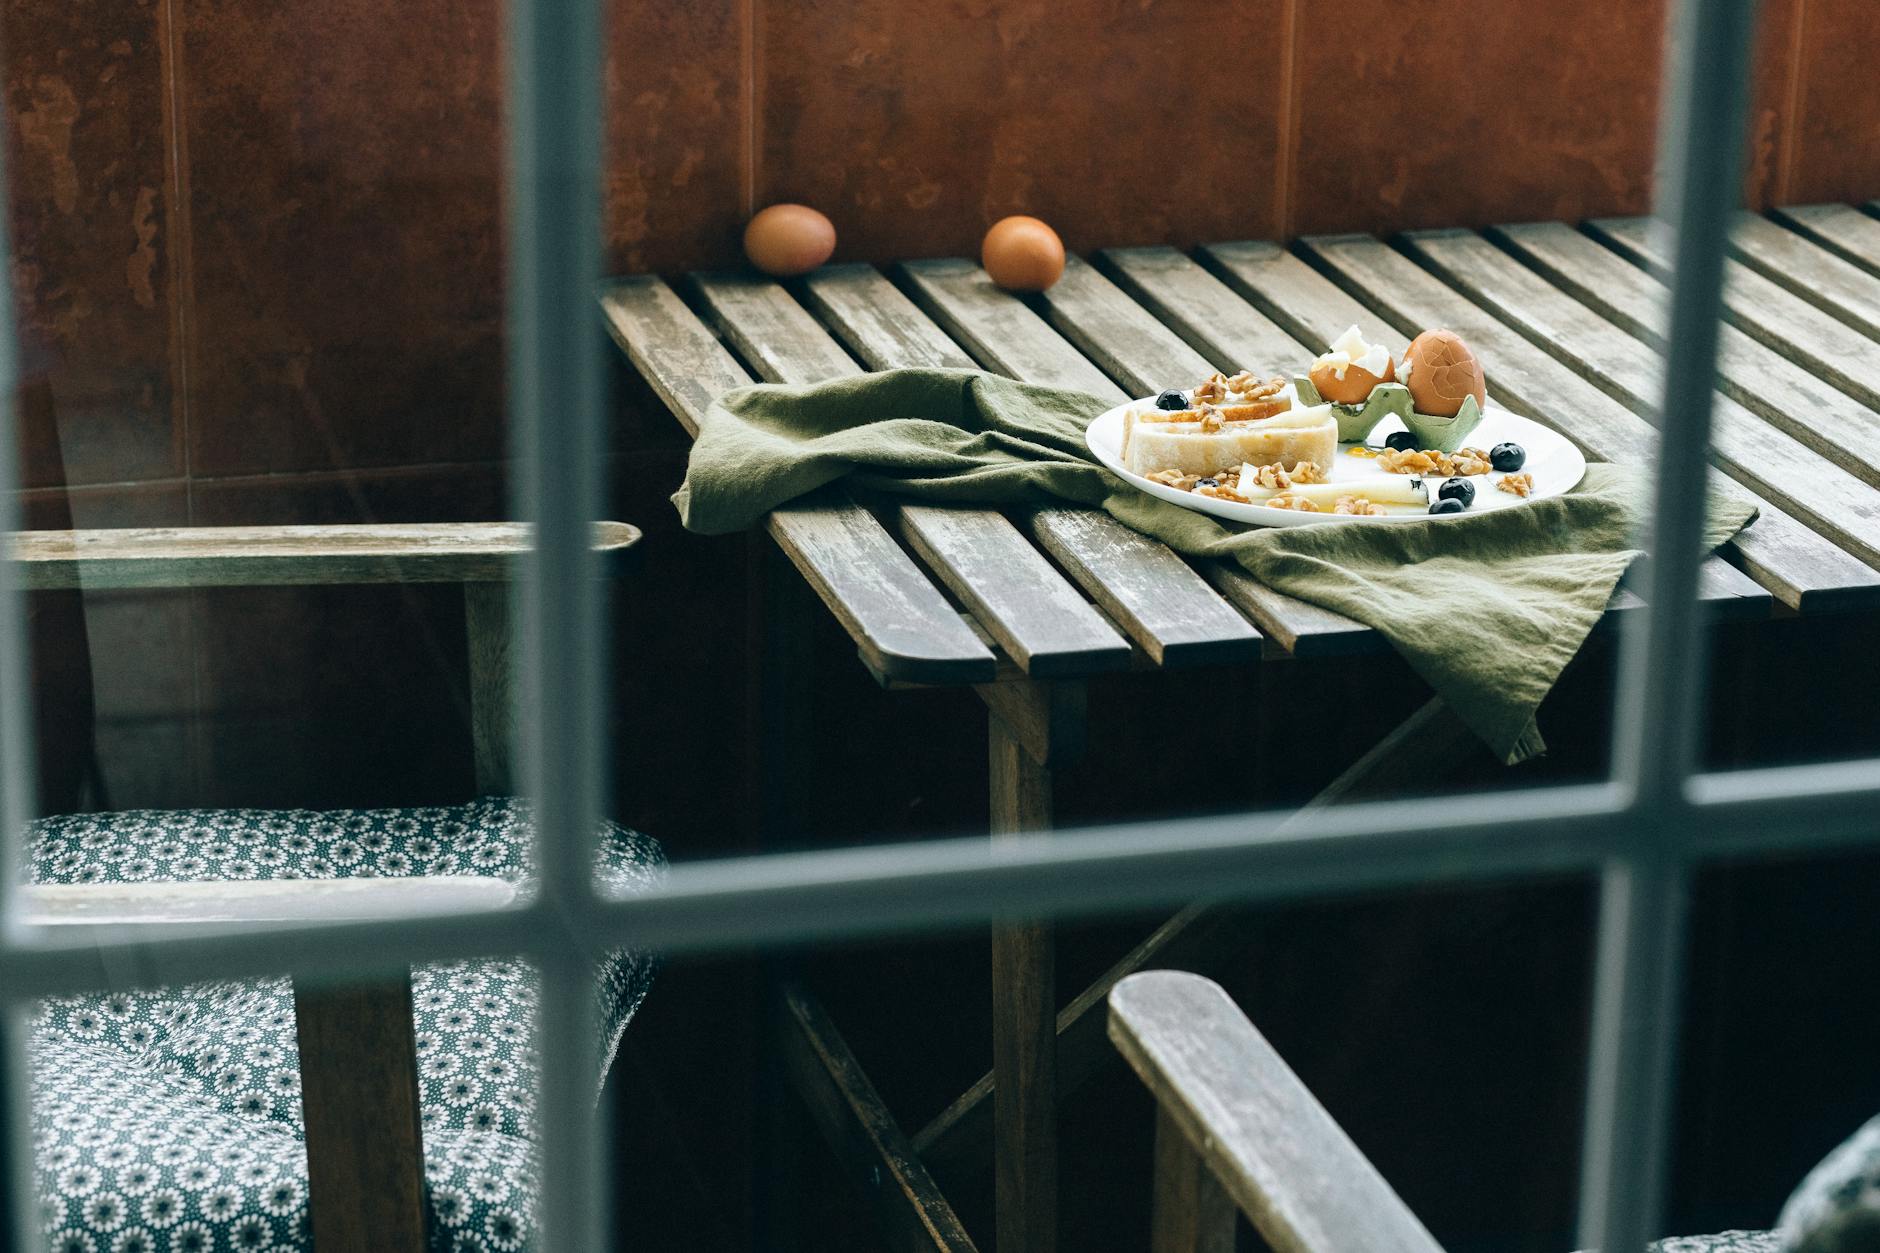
(115, 1074)
(1236, 1131)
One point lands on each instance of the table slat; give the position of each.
(1810, 271)
(1842, 229)
(1146, 356)
(1157, 597)
(1830, 499)
(1766, 311)
(877, 322)
(1033, 613)
(903, 627)
(1797, 400)
(1311, 308)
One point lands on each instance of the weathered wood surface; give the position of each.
(1039, 620)
(902, 625)
(1806, 569)
(489, 631)
(257, 900)
(1288, 1166)
(1024, 1017)
(251, 556)
(1765, 311)
(1191, 1211)
(1810, 271)
(1787, 395)
(359, 1098)
(1772, 462)
(907, 1204)
(1164, 605)
(1845, 231)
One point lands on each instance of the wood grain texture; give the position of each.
(1810, 271)
(910, 1209)
(900, 622)
(1803, 568)
(1766, 311)
(1024, 1019)
(1164, 605)
(1049, 720)
(1771, 462)
(1789, 396)
(1842, 229)
(1191, 1212)
(1284, 1161)
(359, 1097)
(252, 556)
(1037, 617)
(490, 635)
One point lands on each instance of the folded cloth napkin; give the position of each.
(1488, 609)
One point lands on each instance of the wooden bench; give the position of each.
(1029, 605)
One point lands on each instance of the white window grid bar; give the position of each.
(1642, 833)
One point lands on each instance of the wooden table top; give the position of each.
(1567, 322)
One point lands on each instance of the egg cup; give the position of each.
(1392, 400)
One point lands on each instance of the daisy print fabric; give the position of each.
(168, 1120)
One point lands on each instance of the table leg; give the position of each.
(1024, 720)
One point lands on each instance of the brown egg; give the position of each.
(788, 239)
(1442, 371)
(1353, 389)
(1022, 254)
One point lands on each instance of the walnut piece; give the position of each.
(1430, 461)
(1211, 419)
(1358, 505)
(1292, 502)
(1521, 485)
(1211, 389)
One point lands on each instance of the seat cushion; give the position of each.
(1722, 1242)
(169, 1118)
(1836, 1209)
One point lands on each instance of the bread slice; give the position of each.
(1284, 439)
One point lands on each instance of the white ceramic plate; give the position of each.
(1555, 464)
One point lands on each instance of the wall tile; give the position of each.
(345, 175)
(675, 154)
(916, 126)
(90, 236)
(1837, 135)
(1457, 115)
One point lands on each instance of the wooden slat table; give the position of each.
(1028, 605)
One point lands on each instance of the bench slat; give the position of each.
(1810, 271)
(902, 625)
(1314, 310)
(1163, 604)
(1842, 229)
(1795, 399)
(1147, 355)
(1282, 1158)
(1035, 615)
(1766, 311)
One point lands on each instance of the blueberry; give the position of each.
(1507, 457)
(1207, 482)
(1457, 489)
(1172, 401)
(1448, 504)
(1400, 441)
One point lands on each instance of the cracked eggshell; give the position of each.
(1442, 372)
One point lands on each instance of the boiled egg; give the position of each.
(1347, 371)
(1440, 371)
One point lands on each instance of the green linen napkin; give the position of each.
(1488, 609)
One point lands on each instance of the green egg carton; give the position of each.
(1392, 400)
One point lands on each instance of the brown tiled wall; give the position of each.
(258, 248)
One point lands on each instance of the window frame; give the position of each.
(1642, 833)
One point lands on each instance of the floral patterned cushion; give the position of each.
(1837, 1208)
(167, 1120)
